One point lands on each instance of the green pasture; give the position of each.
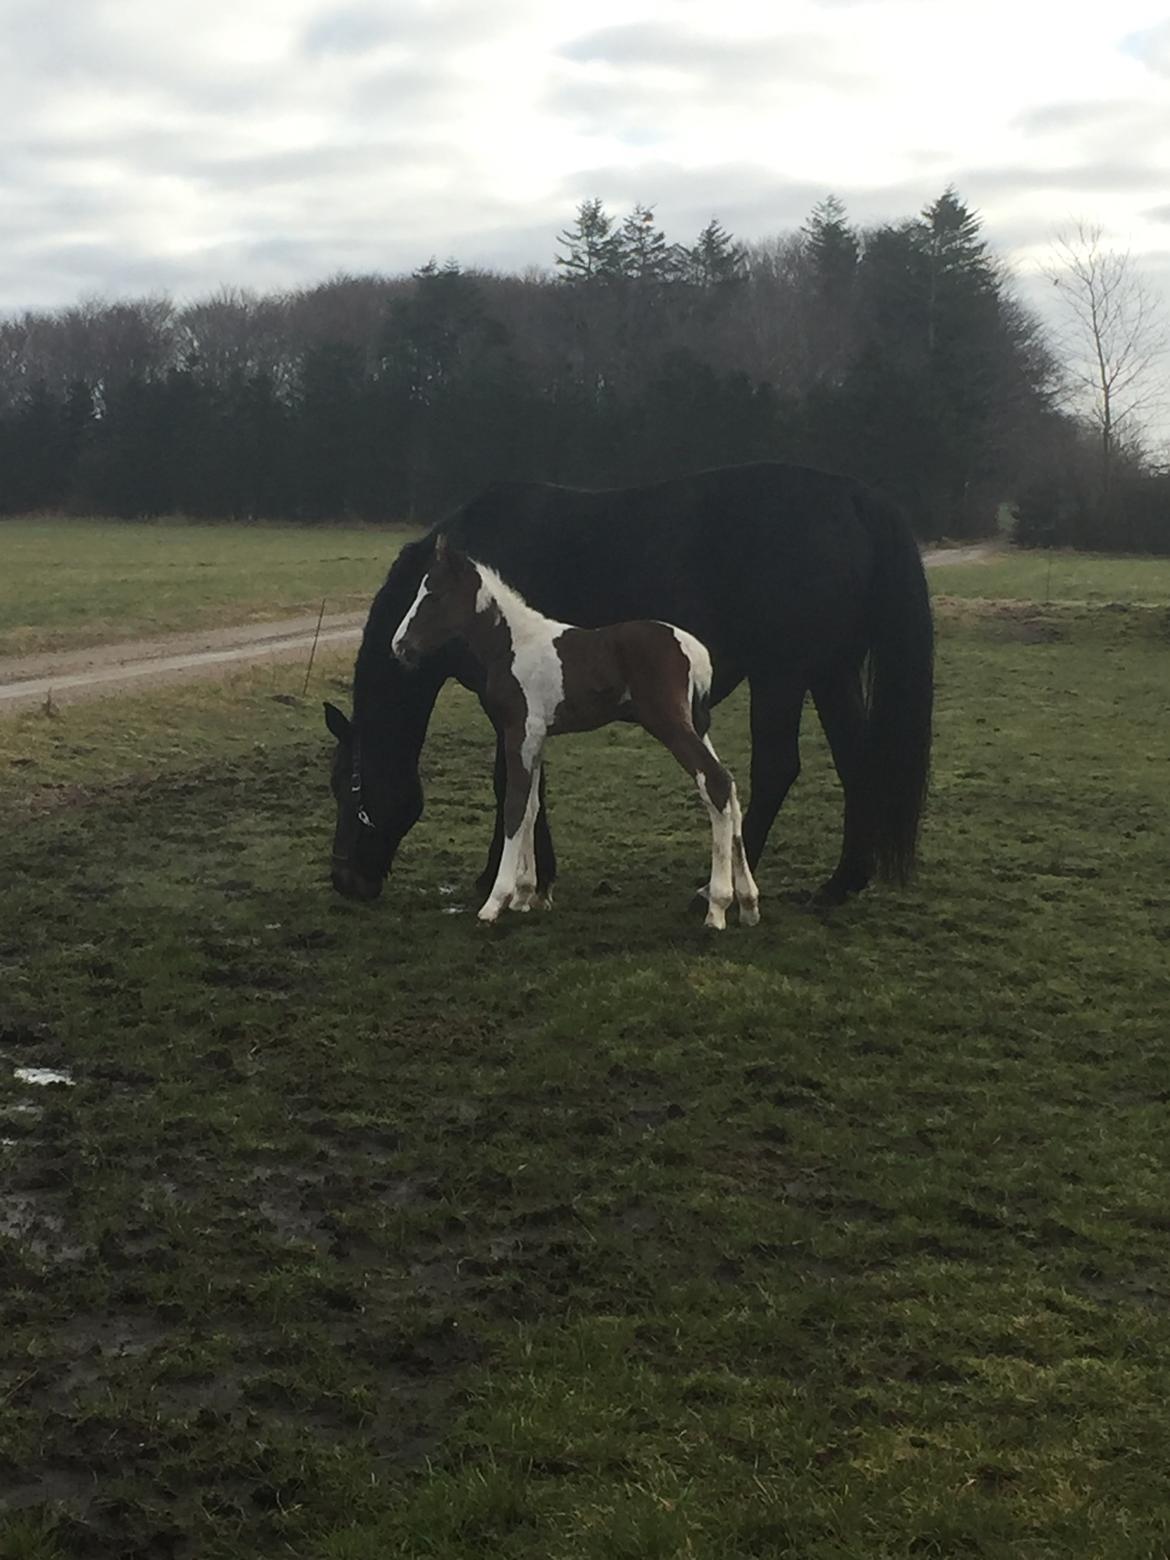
(65, 584)
(1046, 577)
(363, 1232)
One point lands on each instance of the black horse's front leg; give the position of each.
(546, 859)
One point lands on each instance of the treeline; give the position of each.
(897, 353)
(1077, 500)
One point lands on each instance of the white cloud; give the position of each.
(1152, 47)
(269, 142)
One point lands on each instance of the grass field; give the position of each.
(1043, 576)
(71, 583)
(364, 1233)
(67, 584)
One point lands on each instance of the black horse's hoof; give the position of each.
(830, 896)
(836, 892)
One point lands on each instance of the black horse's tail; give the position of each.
(899, 693)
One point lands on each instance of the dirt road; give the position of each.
(146, 663)
(933, 557)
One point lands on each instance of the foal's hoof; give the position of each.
(749, 914)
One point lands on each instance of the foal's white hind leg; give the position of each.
(719, 889)
(747, 895)
(524, 893)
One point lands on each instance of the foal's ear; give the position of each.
(338, 723)
(447, 555)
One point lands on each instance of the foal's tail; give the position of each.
(899, 693)
(701, 709)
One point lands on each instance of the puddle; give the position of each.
(453, 910)
(447, 889)
(41, 1075)
(33, 1220)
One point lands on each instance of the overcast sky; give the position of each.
(159, 144)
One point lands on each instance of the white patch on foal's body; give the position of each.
(699, 660)
(536, 666)
(536, 662)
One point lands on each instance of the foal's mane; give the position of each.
(504, 597)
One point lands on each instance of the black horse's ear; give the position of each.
(338, 723)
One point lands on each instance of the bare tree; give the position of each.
(1114, 340)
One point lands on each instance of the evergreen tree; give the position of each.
(594, 249)
(944, 376)
(833, 248)
(644, 256)
(960, 272)
(714, 259)
(830, 250)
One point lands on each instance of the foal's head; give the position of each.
(443, 608)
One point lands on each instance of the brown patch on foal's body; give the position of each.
(628, 671)
(646, 661)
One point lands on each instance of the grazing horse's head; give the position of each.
(378, 801)
(375, 779)
(442, 610)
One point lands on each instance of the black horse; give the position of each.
(798, 580)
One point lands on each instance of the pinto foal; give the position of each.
(543, 678)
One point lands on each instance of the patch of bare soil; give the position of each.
(978, 552)
(144, 663)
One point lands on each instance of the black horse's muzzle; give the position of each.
(408, 656)
(352, 884)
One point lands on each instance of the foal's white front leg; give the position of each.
(516, 878)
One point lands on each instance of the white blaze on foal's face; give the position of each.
(441, 609)
(400, 633)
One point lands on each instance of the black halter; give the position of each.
(355, 786)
